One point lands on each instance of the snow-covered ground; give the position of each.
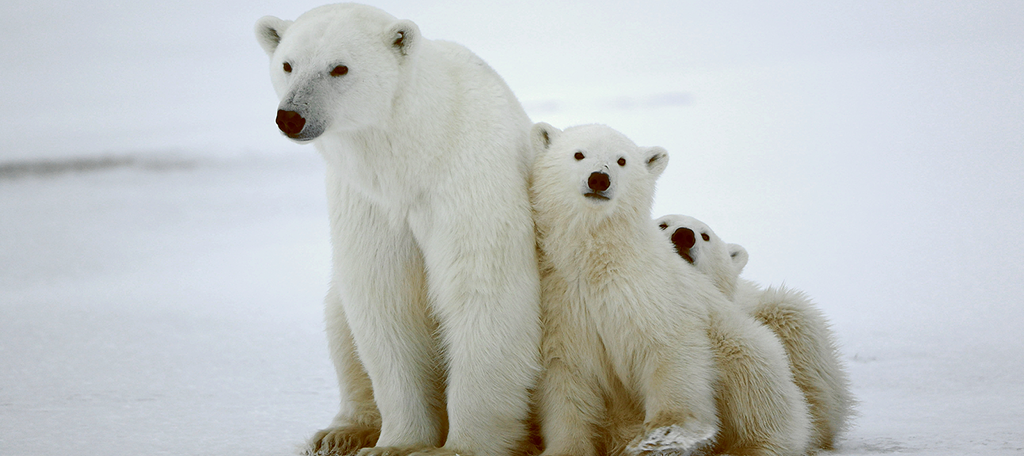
(164, 252)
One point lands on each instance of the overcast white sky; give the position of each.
(87, 77)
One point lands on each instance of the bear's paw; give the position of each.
(342, 440)
(673, 439)
(414, 450)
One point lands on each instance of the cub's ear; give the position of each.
(404, 35)
(656, 159)
(269, 31)
(542, 135)
(739, 257)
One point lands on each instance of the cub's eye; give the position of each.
(705, 236)
(579, 156)
(663, 226)
(287, 67)
(621, 162)
(339, 70)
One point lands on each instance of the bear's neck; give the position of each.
(595, 249)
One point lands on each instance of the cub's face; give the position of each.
(335, 67)
(598, 168)
(594, 168)
(700, 246)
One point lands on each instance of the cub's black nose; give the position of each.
(684, 239)
(290, 122)
(598, 182)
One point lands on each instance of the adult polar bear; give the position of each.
(435, 276)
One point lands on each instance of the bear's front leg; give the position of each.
(380, 278)
(485, 291)
(678, 385)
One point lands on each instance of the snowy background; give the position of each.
(164, 251)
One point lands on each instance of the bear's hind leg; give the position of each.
(762, 410)
(568, 399)
(814, 358)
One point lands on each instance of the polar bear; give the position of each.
(433, 321)
(722, 262)
(790, 314)
(640, 349)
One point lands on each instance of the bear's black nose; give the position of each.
(598, 182)
(290, 122)
(684, 239)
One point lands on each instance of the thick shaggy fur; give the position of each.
(790, 314)
(813, 355)
(642, 354)
(433, 316)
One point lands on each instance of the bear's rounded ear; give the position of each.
(739, 257)
(542, 135)
(269, 31)
(404, 36)
(656, 159)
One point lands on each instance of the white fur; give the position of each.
(435, 285)
(722, 262)
(634, 334)
(790, 314)
(615, 317)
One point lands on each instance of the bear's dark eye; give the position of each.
(287, 67)
(663, 226)
(621, 162)
(579, 156)
(705, 237)
(339, 70)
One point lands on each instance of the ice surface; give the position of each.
(163, 311)
(164, 252)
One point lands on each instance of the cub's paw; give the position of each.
(398, 451)
(342, 440)
(673, 439)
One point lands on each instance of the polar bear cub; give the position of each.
(433, 324)
(640, 349)
(790, 314)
